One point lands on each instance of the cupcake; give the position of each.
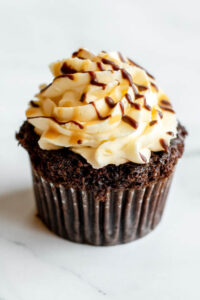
(103, 141)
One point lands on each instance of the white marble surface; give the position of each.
(34, 263)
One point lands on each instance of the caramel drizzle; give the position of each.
(164, 144)
(33, 104)
(65, 69)
(68, 71)
(153, 122)
(110, 62)
(121, 57)
(135, 64)
(128, 77)
(128, 119)
(98, 113)
(56, 121)
(100, 66)
(110, 102)
(143, 157)
(94, 80)
(135, 105)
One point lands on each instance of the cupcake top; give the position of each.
(104, 107)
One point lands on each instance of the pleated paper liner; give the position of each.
(76, 215)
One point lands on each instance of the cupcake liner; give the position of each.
(77, 215)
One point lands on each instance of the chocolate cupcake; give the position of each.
(103, 141)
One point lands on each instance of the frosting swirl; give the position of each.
(106, 108)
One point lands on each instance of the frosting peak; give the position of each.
(104, 107)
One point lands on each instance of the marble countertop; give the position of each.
(36, 264)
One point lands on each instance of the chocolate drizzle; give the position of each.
(167, 108)
(143, 157)
(69, 72)
(164, 144)
(141, 87)
(121, 57)
(128, 77)
(100, 66)
(33, 104)
(147, 106)
(76, 123)
(70, 76)
(166, 105)
(79, 142)
(135, 64)
(153, 122)
(82, 99)
(94, 80)
(136, 106)
(76, 53)
(160, 114)
(133, 104)
(98, 113)
(65, 69)
(56, 121)
(130, 121)
(46, 87)
(170, 133)
(165, 102)
(110, 62)
(122, 108)
(110, 102)
(128, 98)
(154, 86)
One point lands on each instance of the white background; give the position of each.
(163, 36)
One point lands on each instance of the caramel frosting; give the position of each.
(104, 107)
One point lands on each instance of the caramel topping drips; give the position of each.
(104, 107)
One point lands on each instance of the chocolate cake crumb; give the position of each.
(71, 170)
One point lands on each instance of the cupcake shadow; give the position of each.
(17, 209)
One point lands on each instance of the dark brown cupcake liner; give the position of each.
(78, 216)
